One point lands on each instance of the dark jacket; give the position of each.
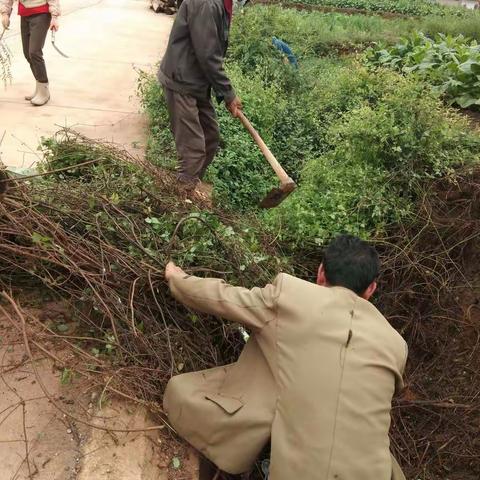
(193, 62)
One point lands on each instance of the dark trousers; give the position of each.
(194, 126)
(34, 33)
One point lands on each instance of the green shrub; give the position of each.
(379, 153)
(240, 174)
(292, 123)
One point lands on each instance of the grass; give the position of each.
(315, 33)
(468, 26)
(309, 34)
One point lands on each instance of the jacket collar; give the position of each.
(228, 4)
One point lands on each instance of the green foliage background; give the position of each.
(359, 142)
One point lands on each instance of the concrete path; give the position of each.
(95, 90)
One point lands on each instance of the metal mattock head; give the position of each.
(277, 195)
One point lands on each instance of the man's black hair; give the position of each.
(351, 263)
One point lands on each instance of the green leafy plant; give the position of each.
(379, 154)
(450, 64)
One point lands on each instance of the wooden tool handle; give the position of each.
(281, 173)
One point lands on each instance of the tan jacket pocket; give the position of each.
(230, 405)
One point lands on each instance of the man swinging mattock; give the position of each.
(191, 68)
(316, 377)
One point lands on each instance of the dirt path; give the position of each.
(94, 90)
(40, 442)
(53, 450)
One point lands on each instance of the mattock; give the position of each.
(287, 185)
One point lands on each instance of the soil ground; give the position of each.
(93, 90)
(59, 447)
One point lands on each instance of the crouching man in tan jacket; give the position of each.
(316, 377)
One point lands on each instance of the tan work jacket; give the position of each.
(317, 376)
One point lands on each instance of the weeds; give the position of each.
(106, 257)
(405, 7)
(102, 241)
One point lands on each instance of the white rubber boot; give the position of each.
(29, 97)
(42, 96)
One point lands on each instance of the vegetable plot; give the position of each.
(450, 64)
(405, 7)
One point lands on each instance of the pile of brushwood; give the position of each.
(430, 291)
(98, 235)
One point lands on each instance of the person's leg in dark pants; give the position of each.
(208, 121)
(25, 31)
(189, 136)
(39, 25)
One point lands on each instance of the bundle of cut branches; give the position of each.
(431, 294)
(99, 234)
